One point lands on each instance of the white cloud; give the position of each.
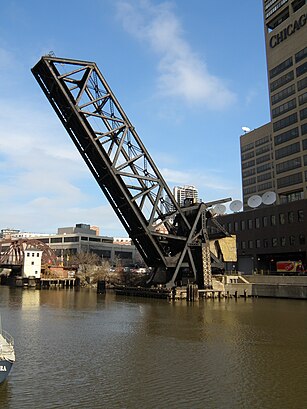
(182, 72)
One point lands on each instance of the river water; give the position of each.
(78, 349)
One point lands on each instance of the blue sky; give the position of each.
(189, 75)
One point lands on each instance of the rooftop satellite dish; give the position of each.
(236, 206)
(245, 129)
(219, 209)
(269, 198)
(254, 201)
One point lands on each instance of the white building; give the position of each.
(32, 263)
(181, 193)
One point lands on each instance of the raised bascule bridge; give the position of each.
(172, 240)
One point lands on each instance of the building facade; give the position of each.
(182, 193)
(274, 157)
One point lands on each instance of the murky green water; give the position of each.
(77, 349)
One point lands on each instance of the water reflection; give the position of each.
(101, 350)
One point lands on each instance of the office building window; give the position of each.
(249, 224)
(285, 93)
(296, 5)
(258, 243)
(56, 240)
(301, 239)
(291, 197)
(247, 155)
(257, 222)
(283, 241)
(274, 241)
(286, 107)
(262, 141)
(263, 158)
(265, 186)
(248, 172)
(304, 130)
(242, 225)
(71, 239)
(287, 150)
(264, 221)
(286, 136)
(263, 149)
(290, 217)
(303, 114)
(290, 180)
(243, 245)
(250, 244)
(281, 67)
(236, 226)
(281, 81)
(263, 177)
(250, 181)
(273, 220)
(302, 84)
(302, 99)
(247, 147)
(265, 243)
(301, 69)
(300, 215)
(263, 168)
(282, 219)
(248, 164)
(301, 54)
(282, 16)
(288, 165)
(249, 190)
(292, 240)
(284, 122)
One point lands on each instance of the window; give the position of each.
(263, 168)
(249, 190)
(302, 99)
(281, 109)
(248, 164)
(282, 219)
(301, 69)
(263, 149)
(258, 244)
(32, 263)
(257, 223)
(281, 67)
(236, 226)
(250, 244)
(301, 239)
(283, 123)
(302, 84)
(282, 81)
(304, 130)
(273, 220)
(71, 239)
(263, 158)
(84, 238)
(250, 181)
(297, 4)
(249, 224)
(265, 243)
(290, 217)
(28, 254)
(300, 215)
(247, 155)
(290, 180)
(37, 254)
(247, 147)
(56, 240)
(292, 240)
(286, 136)
(94, 239)
(263, 140)
(242, 225)
(248, 172)
(274, 242)
(303, 114)
(283, 241)
(288, 165)
(263, 177)
(280, 18)
(265, 221)
(291, 197)
(243, 245)
(287, 150)
(285, 93)
(265, 186)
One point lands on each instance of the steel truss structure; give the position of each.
(172, 240)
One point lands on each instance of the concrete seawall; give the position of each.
(278, 286)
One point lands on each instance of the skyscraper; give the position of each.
(181, 193)
(274, 156)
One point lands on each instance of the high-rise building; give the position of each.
(181, 193)
(274, 156)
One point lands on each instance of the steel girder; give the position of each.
(124, 170)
